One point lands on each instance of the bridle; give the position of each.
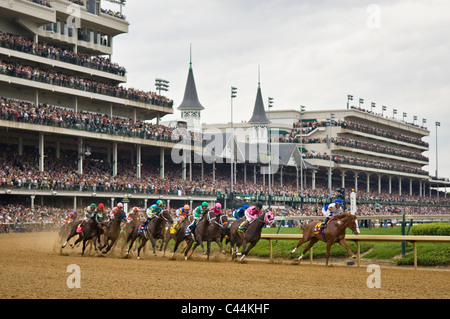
(221, 222)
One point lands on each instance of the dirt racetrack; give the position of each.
(32, 266)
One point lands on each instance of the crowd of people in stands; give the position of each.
(80, 83)
(42, 49)
(44, 114)
(342, 159)
(308, 126)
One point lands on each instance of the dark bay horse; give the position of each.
(209, 229)
(332, 234)
(180, 230)
(251, 235)
(91, 231)
(112, 232)
(155, 230)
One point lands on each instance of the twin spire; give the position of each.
(191, 101)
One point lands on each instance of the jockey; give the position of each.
(199, 212)
(155, 209)
(152, 212)
(251, 213)
(240, 212)
(182, 212)
(71, 216)
(217, 209)
(100, 212)
(132, 213)
(113, 213)
(330, 209)
(89, 212)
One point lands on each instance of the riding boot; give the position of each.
(243, 226)
(324, 224)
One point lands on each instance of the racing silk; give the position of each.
(252, 213)
(88, 213)
(198, 212)
(239, 212)
(330, 210)
(153, 210)
(131, 214)
(181, 213)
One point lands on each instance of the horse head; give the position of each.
(351, 221)
(165, 215)
(269, 218)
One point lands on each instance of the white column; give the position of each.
(379, 184)
(400, 186)
(138, 161)
(114, 158)
(80, 155)
(313, 184)
(41, 152)
(161, 163)
(368, 183)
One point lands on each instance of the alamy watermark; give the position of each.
(373, 20)
(215, 145)
(74, 279)
(374, 279)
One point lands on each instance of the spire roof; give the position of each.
(259, 114)
(190, 100)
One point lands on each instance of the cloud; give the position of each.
(311, 53)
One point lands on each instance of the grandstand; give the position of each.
(72, 133)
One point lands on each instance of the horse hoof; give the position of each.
(354, 257)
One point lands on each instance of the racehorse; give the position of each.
(208, 229)
(91, 231)
(155, 230)
(333, 233)
(180, 229)
(112, 232)
(251, 235)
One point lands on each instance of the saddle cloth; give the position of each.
(79, 229)
(317, 228)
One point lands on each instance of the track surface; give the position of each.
(32, 266)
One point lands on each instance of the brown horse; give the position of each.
(112, 232)
(155, 230)
(208, 229)
(91, 231)
(180, 229)
(251, 235)
(333, 233)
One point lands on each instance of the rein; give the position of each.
(211, 221)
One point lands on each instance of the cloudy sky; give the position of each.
(313, 53)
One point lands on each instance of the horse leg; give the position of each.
(344, 244)
(131, 239)
(187, 247)
(153, 246)
(245, 251)
(80, 237)
(308, 247)
(67, 240)
(84, 247)
(143, 242)
(219, 243)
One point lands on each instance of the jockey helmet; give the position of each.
(159, 202)
(186, 207)
(245, 206)
(205, 204)
(339, 201)
(93, 205)
(135, 208)
(120, 205)
(259, 205)
(218, 205)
